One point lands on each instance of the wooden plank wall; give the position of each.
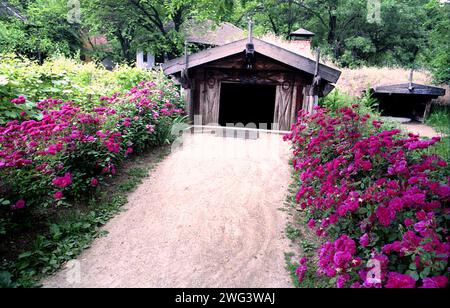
(210, 99)
(283, 106)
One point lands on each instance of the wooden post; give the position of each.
(316, 84)
(184, 73)
(312, 99)
(186, 55)
(427, 110)
(250, 31)
(411, 74)
(316, 71)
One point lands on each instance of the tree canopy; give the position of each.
(360, 32)
(351, 32)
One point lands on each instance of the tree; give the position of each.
(437, 50)
(44, 30)
(406, 34)
(114, 20)
(153, 25)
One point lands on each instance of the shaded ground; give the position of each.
(206, 217)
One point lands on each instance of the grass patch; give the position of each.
(439, 119)
(62, 236)
(291, 267)
(292, 233)
(306, 241)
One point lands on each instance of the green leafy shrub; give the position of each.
(440, 121)
(364, 105)
(60, 78)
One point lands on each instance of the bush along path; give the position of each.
(57, 159)
(379, 203)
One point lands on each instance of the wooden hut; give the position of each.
(406, 100)
(250, 81)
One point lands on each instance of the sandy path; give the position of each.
(420, 129)
(206, 217)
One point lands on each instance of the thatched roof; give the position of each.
(209, 33)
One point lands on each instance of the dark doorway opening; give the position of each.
(247, 103)
(406, 106)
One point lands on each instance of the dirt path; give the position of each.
(420, 129)
(208, 216)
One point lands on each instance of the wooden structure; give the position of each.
(408, 100)
(301, 34)
(250, 81)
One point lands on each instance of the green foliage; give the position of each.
(408, 32)
(59, 78)
(439, 119)
(290, 267)
(43, 30)
(310, 280)
(437, 52)
(148, 25)
(364, 105)
(292, 233)
(358, 48)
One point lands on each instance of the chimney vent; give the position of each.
(302, 40)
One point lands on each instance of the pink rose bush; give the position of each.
(67, 150)
(380, 203)
(19, 100)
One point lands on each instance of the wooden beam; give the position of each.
(316, 70)
(277, 53)
(295, 60)
(411, 74)
(426, 113)
(417, 89)
(205, 56)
